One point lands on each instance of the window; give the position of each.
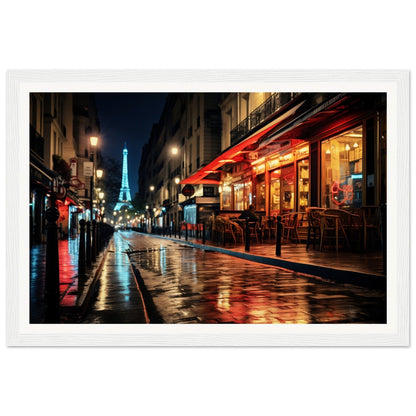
(342, 170)
(260, 192)
(242, 195)
(275, 192)
(208, 191)
(226, 197)
(288, 189)
(303, 184)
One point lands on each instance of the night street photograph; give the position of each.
(208, 208)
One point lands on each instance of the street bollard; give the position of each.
(81, 251)
(186, 231)
(99, 237)
(247, 248)
(52, 267)
(279, 229)
(88, 243)
(179, 230)
(94, 241)
(203, 233)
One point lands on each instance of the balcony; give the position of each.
(261, 113)
(37, 143)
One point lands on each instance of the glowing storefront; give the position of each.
(324, 150)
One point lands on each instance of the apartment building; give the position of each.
(284, 152)
(57, 150)
(187, 137)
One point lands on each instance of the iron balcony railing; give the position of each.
(257, 116)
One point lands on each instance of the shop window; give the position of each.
(260, 193)
(303, 184)
(342, 170)
(226, 197)
(242, 195)
(275, 192)
(288, 189)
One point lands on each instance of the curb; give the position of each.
(372, 281)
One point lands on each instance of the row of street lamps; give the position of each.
(99, 174)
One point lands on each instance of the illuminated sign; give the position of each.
(341, 194)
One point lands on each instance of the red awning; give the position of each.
(235, 153)
(290, 125)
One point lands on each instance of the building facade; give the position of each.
(284, 152)
(187, 137)
(59, 127)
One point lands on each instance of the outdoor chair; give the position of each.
(314, 226)
(268, 228)
(371, 217)
(332, 229)
(289, 222)
(238, 232)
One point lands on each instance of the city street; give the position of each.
(181, 284)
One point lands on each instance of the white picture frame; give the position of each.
(394, 333)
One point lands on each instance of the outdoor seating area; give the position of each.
(317, 228)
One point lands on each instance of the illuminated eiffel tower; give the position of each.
(124, 198)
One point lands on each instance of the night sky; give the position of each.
(127, 117)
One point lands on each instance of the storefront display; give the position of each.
(275, 192)
(260, 192)
(288, 189)
(303, 184)
(342, 170)
(243, 197)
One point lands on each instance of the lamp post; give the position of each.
(174, 151)
(93, 142)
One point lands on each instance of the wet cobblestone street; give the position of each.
(188, 285)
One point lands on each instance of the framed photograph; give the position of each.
(260, 208)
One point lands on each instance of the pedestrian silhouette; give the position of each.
(249, 213)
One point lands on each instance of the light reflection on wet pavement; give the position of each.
(68, 270)
(118, 300)
(188, 285)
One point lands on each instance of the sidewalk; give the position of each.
(359, 268)
(75, 293)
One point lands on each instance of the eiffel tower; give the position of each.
(124, 198)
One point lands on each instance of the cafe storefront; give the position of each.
(330, 155)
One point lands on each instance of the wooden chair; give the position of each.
(289, 226)
(314, 225)
(302, 227)
(268, 227)
(332, 229)
(238, 232)
(371, 217)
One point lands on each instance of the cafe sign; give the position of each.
(188, 190)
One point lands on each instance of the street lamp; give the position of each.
(101, 198)
(93, 142)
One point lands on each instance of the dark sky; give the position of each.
(127, 117)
